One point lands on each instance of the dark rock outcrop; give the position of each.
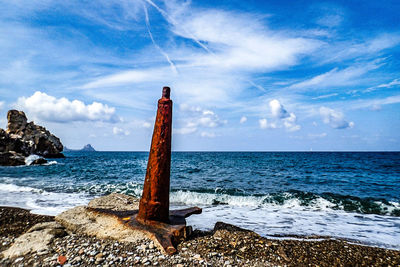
(23, 138)
(39, 141)
(11, 158)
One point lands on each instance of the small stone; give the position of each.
(143, 247)
(179, 265)
(18, 259)
(136, 260)
(77, 259)
(197, 257)
(42, 252)
(93, 253)
(100, 255)
(161, 257)
(62, 259)
(151, 246)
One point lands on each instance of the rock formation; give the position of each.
(87, 148)
(23, 138)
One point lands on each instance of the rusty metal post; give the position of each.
(154, 204)
(166, 228)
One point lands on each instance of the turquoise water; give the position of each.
(340, 194)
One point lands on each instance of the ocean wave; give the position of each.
(15, 188)
(293, 200)
(38, 200)
(31, 158)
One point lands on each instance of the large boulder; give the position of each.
(36, 239)
(7, 143)
(38, 140)
(23, 138)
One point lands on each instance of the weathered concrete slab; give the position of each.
(81, 220)
(37, 239)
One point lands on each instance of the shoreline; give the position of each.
(225, 245)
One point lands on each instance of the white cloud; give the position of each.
(239, 40)
(280, 118)
(331, 20)
(334, 118)
(375, 104)
(146, 125)
(207, 134)
(337, 77)
(263, 123)
(391, 84)
(325, 96)
(188, 129)
(119, 131)
(290, 123)
(243, 119)
(128, 77)
(197, 117)
(352, 49)
(1, 105)
(316, 136)
(277, 110)
(49, 108)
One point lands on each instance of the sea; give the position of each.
(345, 195)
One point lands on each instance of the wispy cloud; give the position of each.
(338, 77)
(325, 96)
(391, 84)
(173, 67)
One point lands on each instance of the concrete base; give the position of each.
(114, 216)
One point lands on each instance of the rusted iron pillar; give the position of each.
(165, 227)
(154, 204)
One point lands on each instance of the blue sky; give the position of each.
(244, 75)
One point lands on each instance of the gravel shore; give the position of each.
(226, 245)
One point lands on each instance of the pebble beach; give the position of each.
(226, 245)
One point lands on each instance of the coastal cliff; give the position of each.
(22, 139)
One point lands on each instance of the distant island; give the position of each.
(87, 148)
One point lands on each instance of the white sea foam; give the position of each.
(257, 213)
(371, 229)
(30, 159)
(39, 201)
(291, 217)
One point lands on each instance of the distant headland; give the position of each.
(87, 148)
